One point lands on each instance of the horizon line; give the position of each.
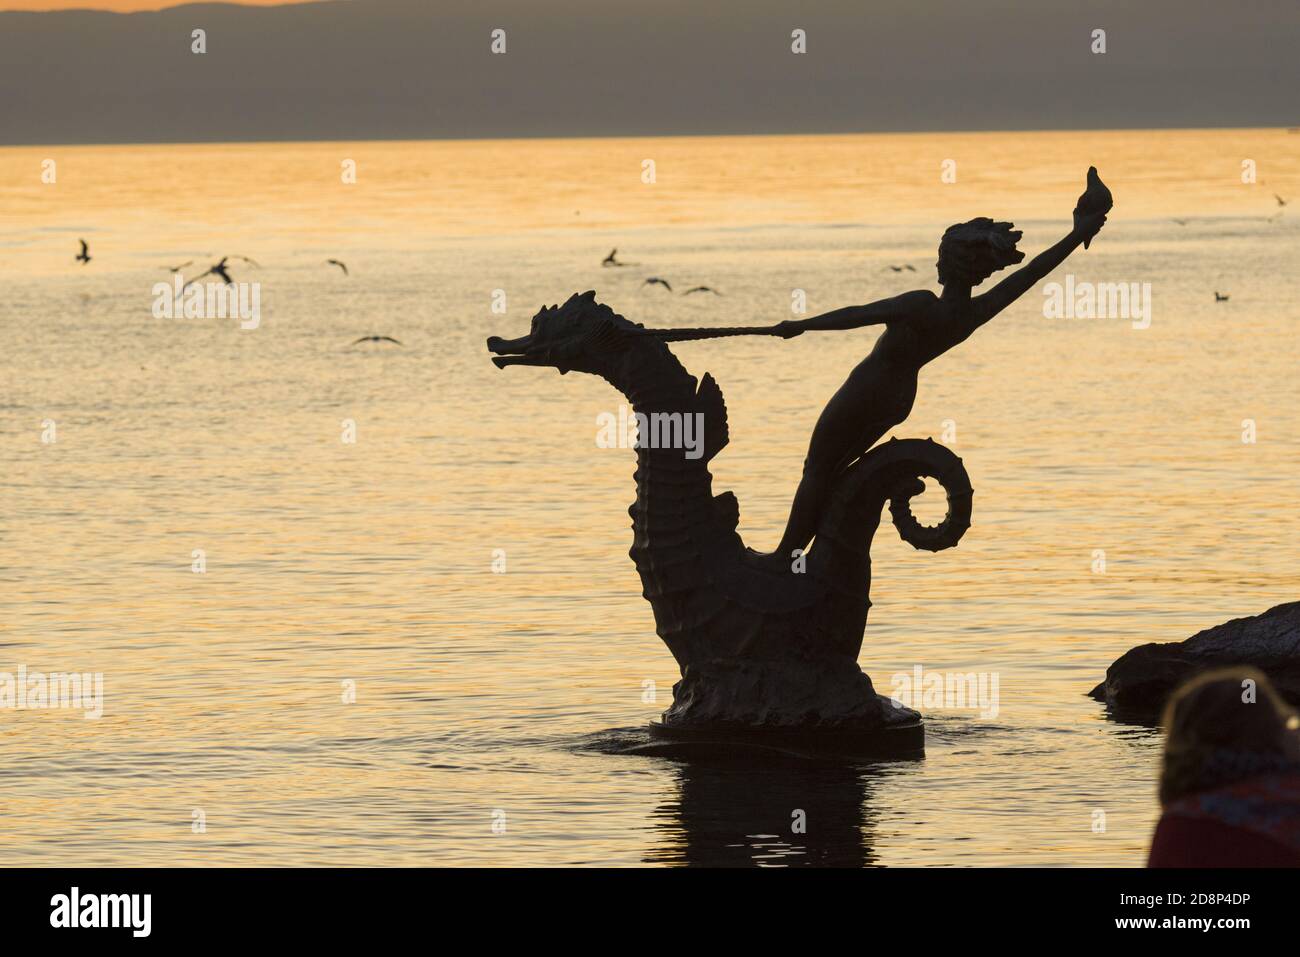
(643, 136)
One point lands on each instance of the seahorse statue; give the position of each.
(761, 647)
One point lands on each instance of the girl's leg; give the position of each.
(825, 462)
(808, 501)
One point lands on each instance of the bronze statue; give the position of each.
(768, 644)
(919, 327)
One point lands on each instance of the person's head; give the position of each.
(971, 252)
(1222, 727)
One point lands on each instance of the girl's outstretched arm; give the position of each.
(854, 317)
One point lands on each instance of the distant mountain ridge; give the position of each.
(377, 69)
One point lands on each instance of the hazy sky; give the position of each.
(375, 69)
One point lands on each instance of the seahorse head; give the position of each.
(582, 335)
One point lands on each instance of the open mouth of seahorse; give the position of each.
(519, 352)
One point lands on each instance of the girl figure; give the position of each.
(919, 327)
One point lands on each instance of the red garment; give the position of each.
(1182, 841)
(1254, 823)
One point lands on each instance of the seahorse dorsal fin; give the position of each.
(709, 401)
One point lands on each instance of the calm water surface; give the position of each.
(479, 693)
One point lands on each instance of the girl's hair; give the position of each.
(971, 252)
(1222, 727)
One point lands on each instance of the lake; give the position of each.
(414, 627)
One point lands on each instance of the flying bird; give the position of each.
(610, 260)
(907, 266)
(189, 262)
(701, 289)
(1280, 200)
(376, 339)
(219, 270)
(83, 257)
(251, 262)
(1095, 199)
(1220, 297)
(335, 262)
(656, 281)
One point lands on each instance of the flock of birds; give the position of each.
(221, 269)
(612, 260)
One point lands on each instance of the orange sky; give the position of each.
(118, 5)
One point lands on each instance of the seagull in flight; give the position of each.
(335, 262)
(219, 270)
(610, 260)
(376, 339)
(907, 266)
(656, 281)
(189, 262)
(1280, 200)
(83, 257)
(702, 289)
(1220, 297)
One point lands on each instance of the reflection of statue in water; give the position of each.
(768, 650)
(792, 813)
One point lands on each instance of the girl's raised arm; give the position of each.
(1089, 216)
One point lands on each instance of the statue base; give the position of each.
(894, 741)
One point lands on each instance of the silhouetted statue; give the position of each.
(769, 643)
(919, 327)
